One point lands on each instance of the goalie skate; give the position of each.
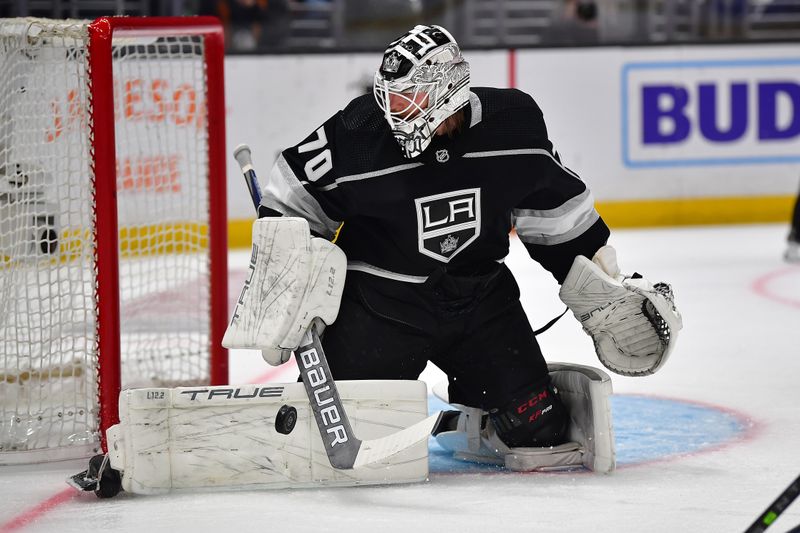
(792, 253)
(100, 478)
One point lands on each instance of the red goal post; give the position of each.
(101, 34)
(131, 290)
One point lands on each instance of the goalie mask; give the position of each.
(423, 79)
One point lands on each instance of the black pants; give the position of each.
(472, 327)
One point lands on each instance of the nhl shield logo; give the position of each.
(447, 223)
(442, 156)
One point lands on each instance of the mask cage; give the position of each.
(409, 93)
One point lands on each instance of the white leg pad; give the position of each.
(584, 390)
(193, 437)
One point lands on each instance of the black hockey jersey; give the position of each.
(452, 207)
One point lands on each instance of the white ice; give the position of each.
(739, 350)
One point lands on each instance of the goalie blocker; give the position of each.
(295, 280)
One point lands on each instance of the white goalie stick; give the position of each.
(344, 449)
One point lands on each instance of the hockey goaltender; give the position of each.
(419, 185)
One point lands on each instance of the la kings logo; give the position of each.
(447, 223)
(392, 62)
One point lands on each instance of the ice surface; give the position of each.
(704, 445)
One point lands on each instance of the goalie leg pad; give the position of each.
(585, 392)
(208, 437)
(294, 278)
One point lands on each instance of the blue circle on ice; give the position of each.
(646, 429)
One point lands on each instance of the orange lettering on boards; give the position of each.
(133, 98)
(75, 114)
(159, 174)
(152, 100)
(187, 104)
(157, 100)
(157, 88)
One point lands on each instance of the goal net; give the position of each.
(112, 222)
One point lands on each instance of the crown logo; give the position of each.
(392, 62)
(449, 244)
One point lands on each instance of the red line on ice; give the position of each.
(761, 286)
(273, 372)
(25, 518)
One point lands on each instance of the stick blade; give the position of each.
(82, 481)
(375, 450)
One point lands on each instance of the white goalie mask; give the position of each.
(423, 79)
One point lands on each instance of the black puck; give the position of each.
(285, 419)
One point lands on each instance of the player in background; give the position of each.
(423, 180)
(792, 254)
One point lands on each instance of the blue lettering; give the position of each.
(768, 127)
(708, 113)
(653, 114)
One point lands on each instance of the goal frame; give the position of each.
(103, 172)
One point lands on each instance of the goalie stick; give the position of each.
(242, 155)
(344, 449)
(776, 508)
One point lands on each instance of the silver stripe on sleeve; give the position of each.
(284, 193)
(583, 202)
(555, 226)
(361, 266)
(477, 109)
(521, 151)
(574, 233)
(368, 175)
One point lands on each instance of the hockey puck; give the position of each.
(285, 419)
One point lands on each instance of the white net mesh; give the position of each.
(162, 179)
(48, 318)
